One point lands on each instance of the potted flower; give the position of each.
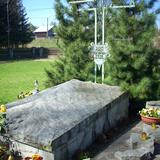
(150, 115)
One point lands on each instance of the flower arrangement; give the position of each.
(24, 95)
(29, 93)
(150, 116)
(150, 112)
(37, 157)
(34, 157)
(5, 151)
(2, 117)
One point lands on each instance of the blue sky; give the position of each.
(39, 10)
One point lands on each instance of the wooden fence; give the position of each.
(23, 53)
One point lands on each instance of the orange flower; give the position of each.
(37, 157)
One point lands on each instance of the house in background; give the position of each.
(44, 32)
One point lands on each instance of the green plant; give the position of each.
(84, 155)
(75, 38)
(134, 60)
(6, 150)
(4, 142)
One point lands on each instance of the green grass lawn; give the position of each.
(18, 76)
(47, 43)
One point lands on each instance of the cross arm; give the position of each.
(81, 1)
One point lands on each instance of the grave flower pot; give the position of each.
(150, 115)
(150, 120)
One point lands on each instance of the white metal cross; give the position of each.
(104, 4)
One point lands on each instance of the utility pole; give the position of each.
(47, 28)
(95, 37)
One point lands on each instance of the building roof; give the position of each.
(43, 29)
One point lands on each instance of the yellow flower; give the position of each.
(10, 158)
(3, 108)
(154, 126)
(144, 136)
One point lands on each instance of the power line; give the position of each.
(38, 17)
(39, 9)
(51, 16)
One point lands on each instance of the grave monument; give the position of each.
(63, 119)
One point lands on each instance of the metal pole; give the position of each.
(103, 11)
(102, 73)
(95, 70)
(81, 1)
(95, 27)
(95, 37)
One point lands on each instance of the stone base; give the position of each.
(155, 104)
(136, 154)
(138, 148)
(154, 132)
(29, 151)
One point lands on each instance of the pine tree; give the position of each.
(18, 26)
(134, 63)
(20, 31)
(3, 24)
(32, 28)
(75, 31)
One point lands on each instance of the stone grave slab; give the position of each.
(60, 120)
